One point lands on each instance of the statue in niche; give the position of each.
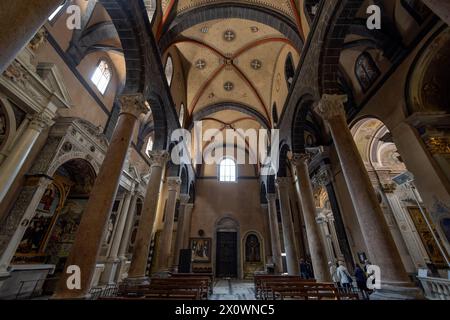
(252, 249)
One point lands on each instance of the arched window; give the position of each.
(102, 76)
(169, 70)
(275, 115)
(366, 71)
(227, 170)
(289, 70)
(55, 13)
(149, 145)
(181, 116)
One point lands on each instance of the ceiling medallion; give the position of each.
(200, 64)
(228, 86)
(229, 35)
(256, 64)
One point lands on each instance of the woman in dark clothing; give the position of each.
(361, 281)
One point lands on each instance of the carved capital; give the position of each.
(331, 106)
(133, 104)
(40, 121)
(173, 183)
(184, 199)
(158, 158)
(321, 178)
(38, 40)
(298, 159)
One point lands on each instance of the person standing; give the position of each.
(333, 273)
(344, 276)
(361, 281)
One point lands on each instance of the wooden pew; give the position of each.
(260, 281)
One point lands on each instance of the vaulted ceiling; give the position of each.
(232, 61)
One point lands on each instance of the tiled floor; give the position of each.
(226, 289)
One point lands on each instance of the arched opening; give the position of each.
(227, 170)
(253, 255)
(51, 232)
(102, 76)
(401, 204)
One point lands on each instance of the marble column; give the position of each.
(19, 22)
(274, 232)
(334, 236)
(187, 224)
(90, 234)
(305, 193)
(173, 185)
(12, 165)
(112, 262)
(440, 8)
(14, 226)
(292, 261)
(181, 229)
(322, 222)
(138, 266)
(124, 243)
(377, 237)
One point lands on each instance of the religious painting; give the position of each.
(252, 249)
(426, 236)
(201, 250)
(35, 235)
(64, 232)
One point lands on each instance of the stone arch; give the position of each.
(428, 82)
(226, 11)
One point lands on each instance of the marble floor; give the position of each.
(229, 289)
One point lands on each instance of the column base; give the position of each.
(109, 274)
(397, 292)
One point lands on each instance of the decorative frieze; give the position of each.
(438, 145)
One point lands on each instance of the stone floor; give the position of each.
(228, 289)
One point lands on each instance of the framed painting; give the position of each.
(201, 249)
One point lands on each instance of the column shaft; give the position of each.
(90, 233)
(275, 233)
(144, 234)
(315, 243)
(288, 227)
(12, 165)
(187, 224)
(19, 22)
(377, 237)
(167, 233)
(181, 228)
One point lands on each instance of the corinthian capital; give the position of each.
(41, 121)
(331, 106)
(133, 104)
(173, 183)
(184, 199)
(298, 159)
(158, 158)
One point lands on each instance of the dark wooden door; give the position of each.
(226, 255)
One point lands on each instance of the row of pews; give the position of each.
(176, 287)
(273, 287)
